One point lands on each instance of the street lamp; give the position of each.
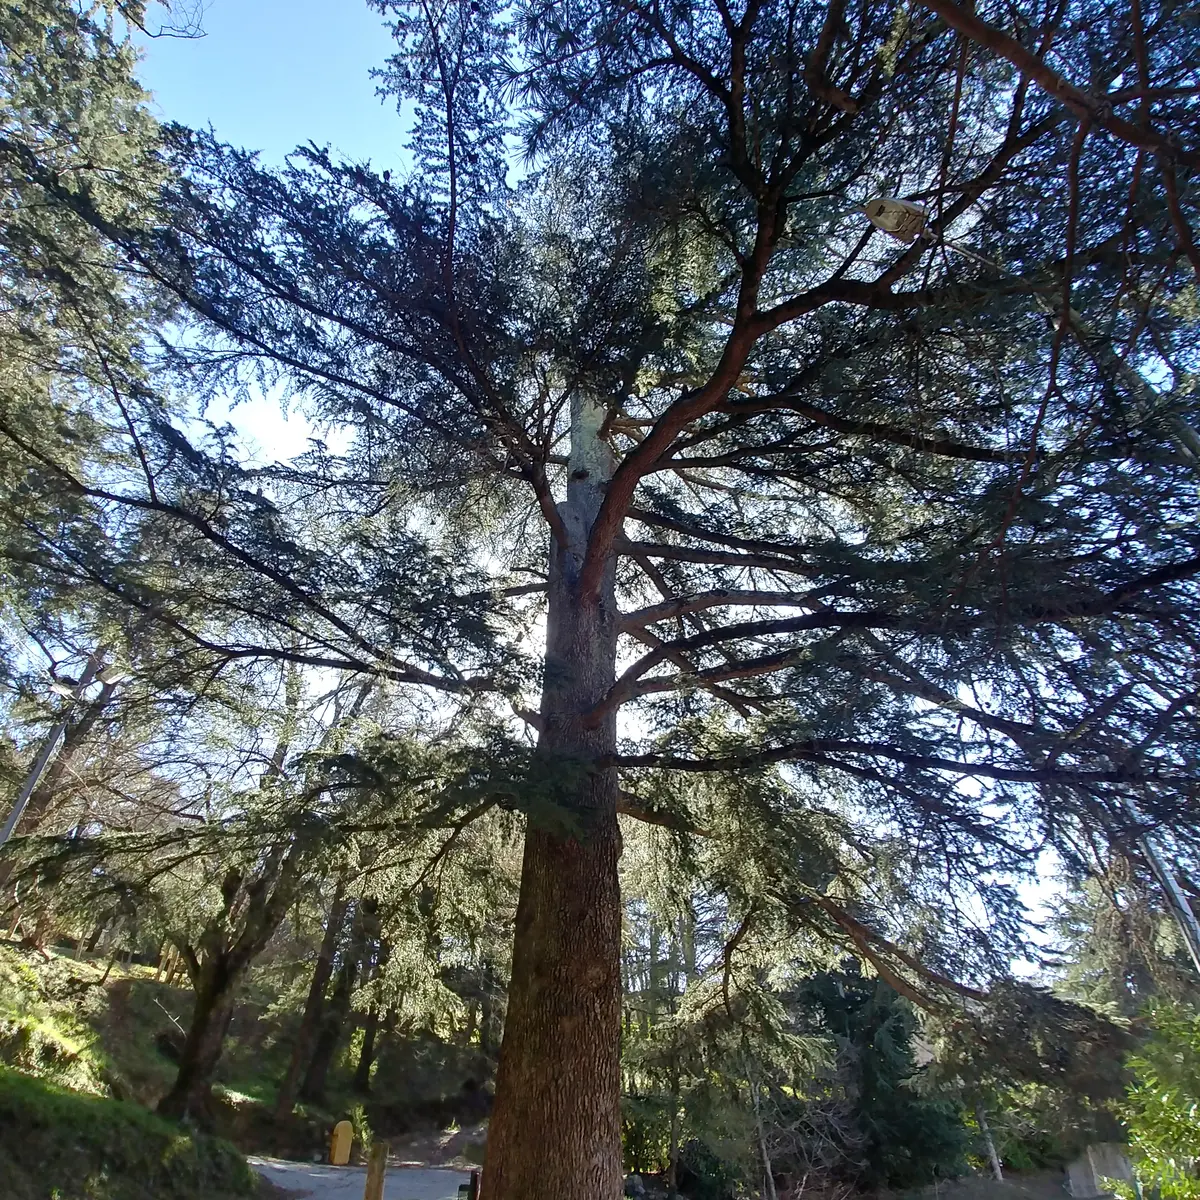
(903, 219)
(906, 221)
(96, 669)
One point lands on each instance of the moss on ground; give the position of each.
(61, 1145)
(86, 1025)
(41, 1032)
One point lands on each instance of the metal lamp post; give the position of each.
(96, 669)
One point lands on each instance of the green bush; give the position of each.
(1162, 1110)
(61, 1145)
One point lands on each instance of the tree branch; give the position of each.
(1096, 110)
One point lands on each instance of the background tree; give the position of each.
(1160, 1108)
(1119, 949)
(75, 323)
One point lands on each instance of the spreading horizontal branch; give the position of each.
(717, 537)
(388, 664)
(824, 752)
(716, 558)
(870, 943)
(719, 598)
(944, 447)
(1093, 604)
(631, 805)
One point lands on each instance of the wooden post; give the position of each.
(473, 1191)
(376, 1170)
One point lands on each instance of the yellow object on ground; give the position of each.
(339, 1144)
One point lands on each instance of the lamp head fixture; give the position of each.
(902, 219)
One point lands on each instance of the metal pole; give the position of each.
(94, 666)
(1185, 918)
(1177, 902)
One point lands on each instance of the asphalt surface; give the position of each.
(316, 1181)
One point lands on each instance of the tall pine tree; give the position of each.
(797, 376)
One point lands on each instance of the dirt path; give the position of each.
(316, 1181)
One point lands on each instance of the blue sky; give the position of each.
(270, 74)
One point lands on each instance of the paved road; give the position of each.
(322, 1182)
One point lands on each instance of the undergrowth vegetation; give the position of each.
(92, 1026)
(66, 1145)
(42, 1032)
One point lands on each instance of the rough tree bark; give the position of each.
(310, 1022)
(212, 1011)
(217, 966)
(556, 1126)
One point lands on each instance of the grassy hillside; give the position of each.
(61, 1145)
(86, 1025)
(78, 1065)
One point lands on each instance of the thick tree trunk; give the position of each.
(556, 1129)
(211, 1014)
(220, 964)
(311, 1020)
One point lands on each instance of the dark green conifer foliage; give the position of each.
(73, 323)
(902, 1138)
(903, 516)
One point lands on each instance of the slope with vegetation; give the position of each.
(77, 1146)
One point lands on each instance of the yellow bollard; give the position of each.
(376, 1170)
(339, 1144)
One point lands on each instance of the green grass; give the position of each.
(58, 1023)
(61, 1145)
(43, 1023)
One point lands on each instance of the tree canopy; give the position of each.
(799, 397)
